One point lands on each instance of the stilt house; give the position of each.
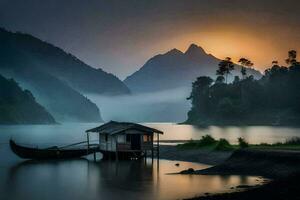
(126, 140)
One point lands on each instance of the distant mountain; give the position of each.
(18, 106)
(54, 77)
(62, 101)
(177, 69)
(58, 63)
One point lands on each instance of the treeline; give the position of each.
(272, 100)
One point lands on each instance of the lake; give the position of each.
(86, 179)
(74, 132)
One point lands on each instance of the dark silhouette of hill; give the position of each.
(177, 69)
(62, 101)
(18, 106)
(52, 75)
(272, 100)
(58, 63)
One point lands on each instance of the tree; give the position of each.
(274, 63)
(243, 143)
(200, 97)
(272, 99)
(236, 79)
(292, 58)
(225, 67)
(220, 79)
(245, 63)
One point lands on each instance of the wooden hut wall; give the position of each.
(108, 142)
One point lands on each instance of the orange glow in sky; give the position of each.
(260, 49)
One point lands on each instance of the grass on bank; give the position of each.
(290, 144)
(207, 142)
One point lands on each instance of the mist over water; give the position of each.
(164, 106)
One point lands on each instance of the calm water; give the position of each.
(85, 179)
(68, 133)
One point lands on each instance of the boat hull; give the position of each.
(42, 154)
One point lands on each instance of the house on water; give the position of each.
(123, 140)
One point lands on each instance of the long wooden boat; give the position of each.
(47, 153)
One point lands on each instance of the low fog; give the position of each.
(163, 106)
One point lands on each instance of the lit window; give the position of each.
(146, 138)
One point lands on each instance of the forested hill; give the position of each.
(62, 101)
(272, 100)
(18, 106)
(54, 77)
(176, 69)
(17, 47)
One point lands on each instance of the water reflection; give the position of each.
(253, 134)
(74, 132)
(84, 179)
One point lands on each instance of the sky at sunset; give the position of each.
(119, 36)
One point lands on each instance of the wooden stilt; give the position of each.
(116, 140)
(99, 140)
(152, 156)
(88, 142)
(152, 149)
(157, 145)
(157, 152)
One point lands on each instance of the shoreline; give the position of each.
(269, 163)
(202, 156)
(224, 124)
(282, 166)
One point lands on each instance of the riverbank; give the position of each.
(270, 163)
(280, 189)
(204, 156)
(283, 166)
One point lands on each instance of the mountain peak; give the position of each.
(174, 51)
(195, 50)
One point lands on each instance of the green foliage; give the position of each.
(242, 143)
(274, 99)
(223, 145)
(292, 58)
(209, 143)
(293, 141)
(206, 140)
(245, 63)
(225, 67)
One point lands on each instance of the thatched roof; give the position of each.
(114, 127)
